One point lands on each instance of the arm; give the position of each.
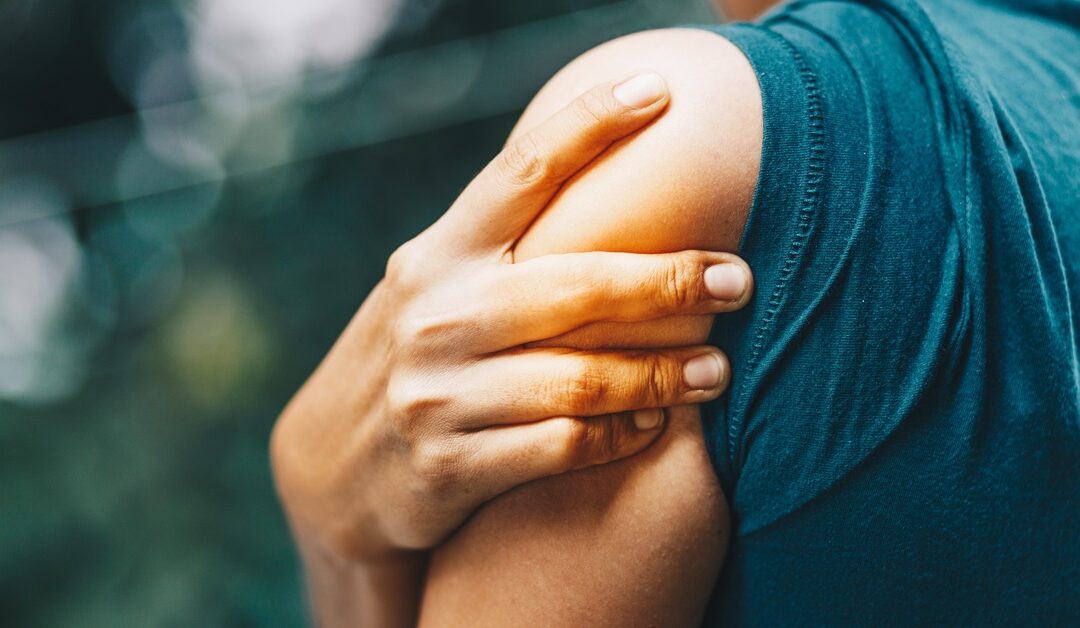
(434, 399)
(641, 541)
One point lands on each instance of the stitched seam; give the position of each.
(815, 172)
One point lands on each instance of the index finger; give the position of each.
(508, 194)
(551, 295)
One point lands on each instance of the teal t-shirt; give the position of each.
(901, 440)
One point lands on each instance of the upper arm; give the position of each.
(684, 182)
(639, 541)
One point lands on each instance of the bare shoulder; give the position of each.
(684, 179)
(684, 182)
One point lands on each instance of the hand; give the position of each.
(431, 402)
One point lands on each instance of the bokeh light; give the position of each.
(195, 197)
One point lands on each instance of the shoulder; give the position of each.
(697, 63)
(691, 172)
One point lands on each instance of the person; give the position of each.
(900, 443)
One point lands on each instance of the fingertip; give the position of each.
(706, 374)
(726, 282)
(648, 419)
(637, 431)
(704, 371)
(641, 90)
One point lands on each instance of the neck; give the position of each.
(745, 9)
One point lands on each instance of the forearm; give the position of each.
(347, 585)
(381, 594)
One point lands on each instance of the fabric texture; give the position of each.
(901, 440)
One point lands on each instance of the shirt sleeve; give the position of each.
(855, 256)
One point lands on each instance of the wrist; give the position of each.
(373, 592)
(323, 446)
(325, 501)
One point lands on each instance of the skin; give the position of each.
(638, 542)
(372, 472)
(744, 9)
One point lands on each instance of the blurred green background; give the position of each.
(195, 196)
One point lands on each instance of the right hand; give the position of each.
(432, 402)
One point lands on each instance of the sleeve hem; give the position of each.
(789, 181)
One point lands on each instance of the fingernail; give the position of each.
(648, 419)
(703, 372)
(640, 91)
(726, 281)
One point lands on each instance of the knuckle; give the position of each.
(587, 388)
(413, 404)
(404, 265)
(437, 466)
(595, 109)
(414, 332)
(522, 162)
(659, 379)
(592, 441)
(577, 443)
(404, 331)
(586, 285)
(400, 406)
(655, 381)
(676, 283)
(396, 264)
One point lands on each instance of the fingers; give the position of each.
(531, 384)
(512, 455)
(497, 207)
(552, 295)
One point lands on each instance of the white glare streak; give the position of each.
(38, 262)
(277, 40)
